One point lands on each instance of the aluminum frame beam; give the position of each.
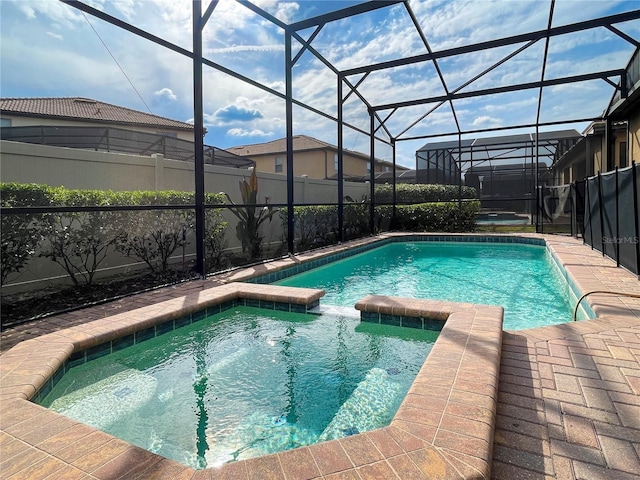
(502, 42)
(343, 13)
(510, 88)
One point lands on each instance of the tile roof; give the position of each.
(300, 142)
(78, 108)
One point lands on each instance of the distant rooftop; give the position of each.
(78, 108)
(301, 143)
(504, 141)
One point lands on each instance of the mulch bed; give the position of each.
(21, 308)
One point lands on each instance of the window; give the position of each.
(335, 162)
(5, 122)
(623, 154)
(368, 167)
(387, 168)
(278, 166)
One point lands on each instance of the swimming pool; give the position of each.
(465, 361)
(523, 279)
(246, 382)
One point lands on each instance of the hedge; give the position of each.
(318, 225)
(20, 234)
(419, 193)
(432, 217)
(81, 241)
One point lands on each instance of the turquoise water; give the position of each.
(521, 278)
(246, 382)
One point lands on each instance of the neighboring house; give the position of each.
(619, 130)
(312, 157)
(77, 122)
(86, 112)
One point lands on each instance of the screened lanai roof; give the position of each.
(423, 70)
(380, 77)
(506, 149)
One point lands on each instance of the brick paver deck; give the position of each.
(568, 406)
(569, 395)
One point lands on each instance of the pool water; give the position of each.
(521, 278)
(247, 382)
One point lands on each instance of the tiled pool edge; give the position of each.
(263, 300)
(277, 270)
(451, 405)
(31, 435)
(423, 438)
(93, 339)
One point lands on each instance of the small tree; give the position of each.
(250, 216)
(80, 241)
(153, 236)
(20, 234)
(214, 234)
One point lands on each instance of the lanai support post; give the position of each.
(198, 136)
(394, 197)
(536, 186)
(458, 170)
(289, 141)
(340, 161)
(372, 173)
(636, 214)
(601, 213)
(617, 244)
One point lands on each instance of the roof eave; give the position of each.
(94, 120)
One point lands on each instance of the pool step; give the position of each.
(371, 405)
(103, 403)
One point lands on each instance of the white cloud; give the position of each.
(240, 132)
(245, 48)
(513, 106)
(58, 12)
(55, 35)
(286, 11)
(165, 92)
(243, 41)
(486, 121)
(28, 10)
(126, 7)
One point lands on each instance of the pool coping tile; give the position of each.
(467, 332)
(454, 440)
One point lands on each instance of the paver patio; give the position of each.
(568, 406)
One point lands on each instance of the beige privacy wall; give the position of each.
(86, 169)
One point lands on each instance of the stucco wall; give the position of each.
(634, 138)
(315, 163)
(84, 169)
(597, 162)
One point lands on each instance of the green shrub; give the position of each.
(318, 225)
(215, 229)
(20, 234)
(419, 193)
(314, 225)
(356, 220)
(155, 235)
(432, 217)
(81, 241)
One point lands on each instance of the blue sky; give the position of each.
(49, 49)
